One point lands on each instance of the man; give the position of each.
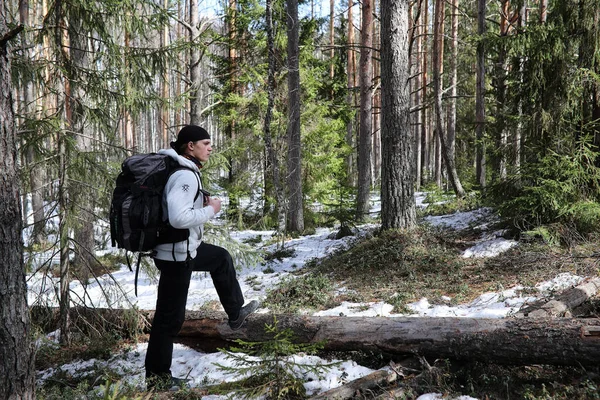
(188, 208)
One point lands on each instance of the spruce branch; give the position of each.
(10, 35)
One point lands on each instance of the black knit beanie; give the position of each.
(189, 133)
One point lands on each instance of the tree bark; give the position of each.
(438, 45)
(451, 137)
(397, 177)
(295, 216)
(351, 72)
(424, 164)
(272, 162)
(366, 112)
(195, 73)
(562, 341)
(17, 375)
(501, 74)
(511, 341)
(480, 170)
(418, 89)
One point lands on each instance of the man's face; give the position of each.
(201, 149)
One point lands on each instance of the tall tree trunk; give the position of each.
(351, 72)
(17, 374)
(272, 162)
(331, 40)
(417, 72)
(451, 123)
(543, 11)
(61, 38)
(501, 71)
(366, 112)
(518, 133)
(397, 178)
(376, 100)
(84, 258)
(438, 44)
(295, 216)
(195, 73)
(164, 121)
(438, 71)
(480, 170)
(424, 111)
(234, 164)
(36, 175)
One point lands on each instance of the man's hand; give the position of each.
(215, 202)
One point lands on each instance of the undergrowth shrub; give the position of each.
(306, 292)
(270, 369)
(560, 187)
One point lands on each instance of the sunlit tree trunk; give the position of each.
(451, 124)
(518, 133)
(416, 72)
(480, 170)
(17, 373)
(438, 71)
(438, 44)
(397, 177)
(501, 71)
(376, 99)
(295, 215)
(366, 111)
(331, 38)
(543, 11)
(351, 72)
(424, 94)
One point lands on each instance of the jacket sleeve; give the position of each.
(182, 211)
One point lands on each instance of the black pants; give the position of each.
(173, 288)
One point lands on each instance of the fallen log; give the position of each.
(513, 341)
(561, 341)
(563, 304)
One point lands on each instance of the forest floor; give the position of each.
(399, 269)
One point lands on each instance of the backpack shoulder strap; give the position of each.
(179, 168)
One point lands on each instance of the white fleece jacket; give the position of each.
(183, 212)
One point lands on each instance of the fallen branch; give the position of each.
(375, 380)
(564, 303)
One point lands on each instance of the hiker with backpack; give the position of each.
(188, 207)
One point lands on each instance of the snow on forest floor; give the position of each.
(255, 279)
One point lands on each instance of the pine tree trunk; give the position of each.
(331, 40)
(397, 178)
(376, 177)
(84, 259)
(501, 73)
(272, 162)
(194, 65)
(417, 72)
(295, 216)
(351, 72)
(438, 45)
(480, 170)
(366, 112)
(425, 171)
(17, 375)
(451, 142)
